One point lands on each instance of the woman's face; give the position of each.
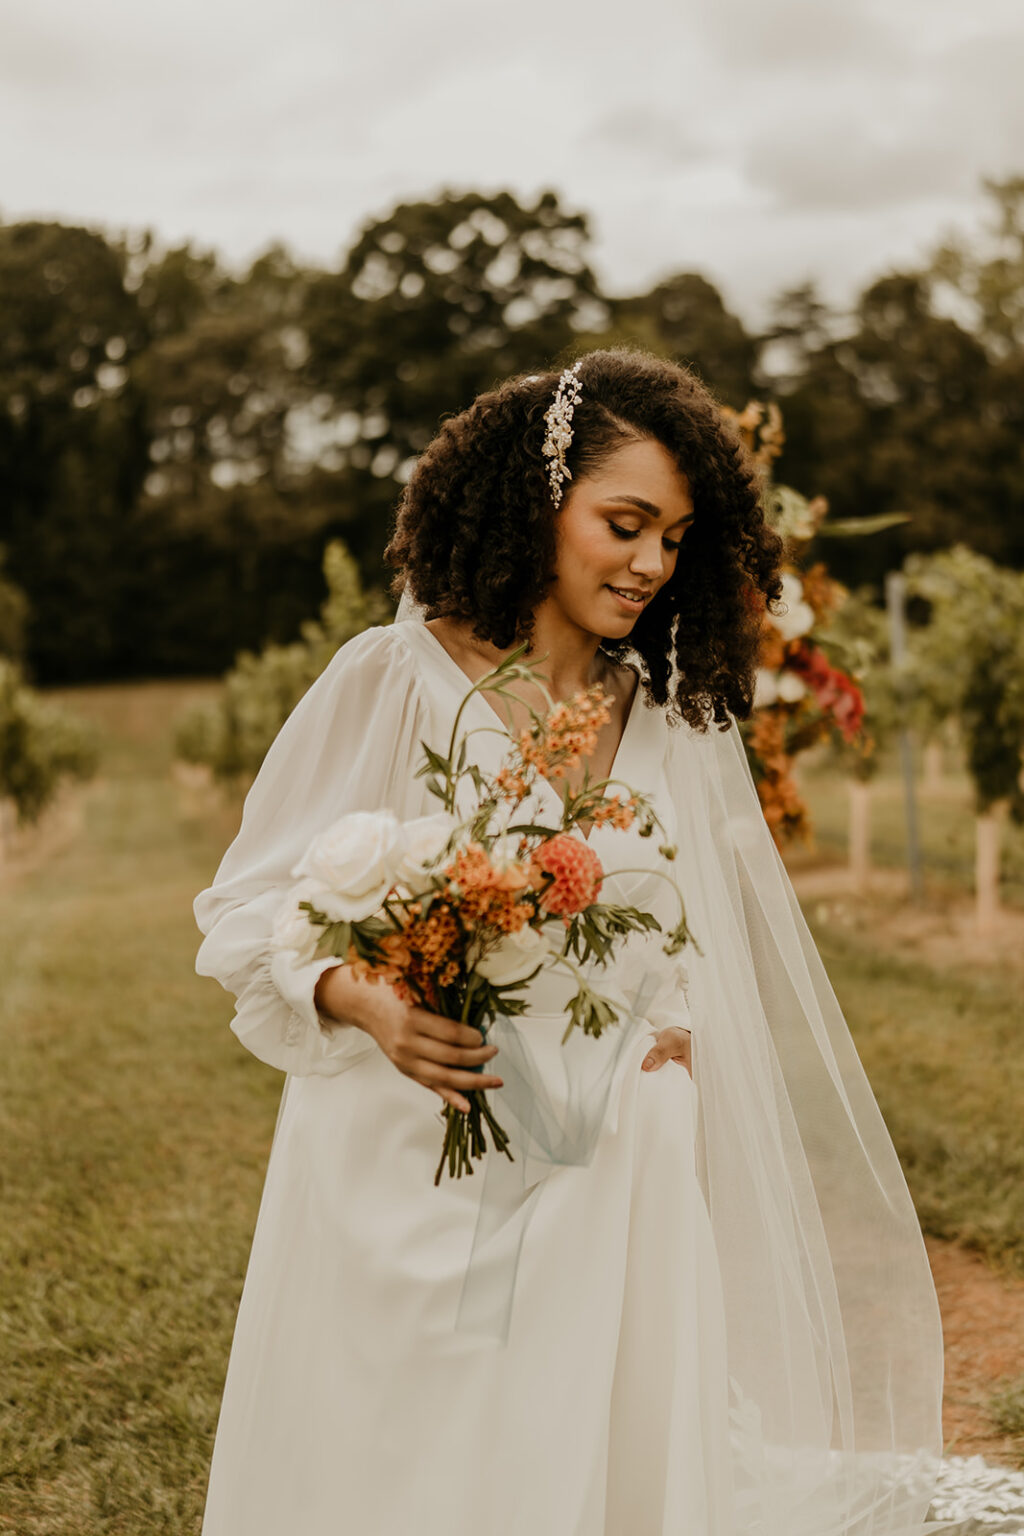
(618, 535)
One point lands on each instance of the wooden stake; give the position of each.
(989, 829)
(860, 833)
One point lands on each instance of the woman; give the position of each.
(714, 1311)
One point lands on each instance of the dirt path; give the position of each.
(983, 1325)
(940, 932)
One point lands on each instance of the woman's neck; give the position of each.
(565, 654)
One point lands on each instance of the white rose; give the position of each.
(356, 861)
(799, 616)
(766, 688)
(293, 930)
(515, 957)
(791, 687)
(424, 839)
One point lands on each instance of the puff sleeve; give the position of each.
(352, 743)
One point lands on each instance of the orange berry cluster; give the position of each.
(614, 809)
(568, 733)
(784, 810)
(424, 956)
(489, 893)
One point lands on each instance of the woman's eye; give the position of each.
(633, 533)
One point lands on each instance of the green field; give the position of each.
(135, 1132)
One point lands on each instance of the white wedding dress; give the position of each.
(615, 1404)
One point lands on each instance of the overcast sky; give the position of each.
(761, 142)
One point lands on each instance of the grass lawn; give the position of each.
(135, 1133)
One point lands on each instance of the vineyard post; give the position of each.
(895, 600)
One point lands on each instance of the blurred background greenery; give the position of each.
(179, 442)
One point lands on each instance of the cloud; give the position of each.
(838, 164)
(654, 135)
(799, 35)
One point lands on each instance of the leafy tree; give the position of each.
(433, 304)
(904, 412)
(688, 320)
(72, 437)
(988, 276)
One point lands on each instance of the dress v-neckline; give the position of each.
(634, 711)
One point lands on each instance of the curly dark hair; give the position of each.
(474, 536)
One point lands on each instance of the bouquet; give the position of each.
(459, 914)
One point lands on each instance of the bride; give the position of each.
(702, 1306)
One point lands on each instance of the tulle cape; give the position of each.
(834, 1336)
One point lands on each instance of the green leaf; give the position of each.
(856, 527)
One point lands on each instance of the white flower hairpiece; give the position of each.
(559, 423)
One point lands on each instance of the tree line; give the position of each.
(180, 442)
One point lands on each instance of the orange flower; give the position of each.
(613, 808)
(576, 870)
(568, 733)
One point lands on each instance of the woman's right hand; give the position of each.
(425, 1046)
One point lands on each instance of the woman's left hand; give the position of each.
(671, 1044)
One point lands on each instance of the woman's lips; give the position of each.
(629, 604)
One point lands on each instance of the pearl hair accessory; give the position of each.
(559, 434)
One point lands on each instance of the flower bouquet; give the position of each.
(459, 913)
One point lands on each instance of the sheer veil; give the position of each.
(834, 1336)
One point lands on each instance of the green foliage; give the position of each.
(172, 431)
(902, 405)
(39, 745)
(72, 438)
(439, 300)
(968, 661)
(685, 317)
(989, 273)
(233, 734)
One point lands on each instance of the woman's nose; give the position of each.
(647, 561)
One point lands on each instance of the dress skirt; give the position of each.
(353, 1406)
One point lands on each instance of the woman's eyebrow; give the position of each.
(653, 510)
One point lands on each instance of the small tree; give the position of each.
(39, 745)
(967, 662)
(232, 735)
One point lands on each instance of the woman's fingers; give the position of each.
(671, 1044)
(451, 1055)
(455, 1099)
(447, 1031)
(434, 1074)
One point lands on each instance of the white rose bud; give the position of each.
(799, 616)
(515, 957)
(356, 862)
(424, 839)
(791, 687)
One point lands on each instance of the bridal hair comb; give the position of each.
(559, 423)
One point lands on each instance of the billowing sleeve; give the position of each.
(352, 743)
